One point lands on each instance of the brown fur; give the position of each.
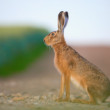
(73, 66)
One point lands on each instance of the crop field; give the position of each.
(19, 47)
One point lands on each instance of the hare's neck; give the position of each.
(59, 47)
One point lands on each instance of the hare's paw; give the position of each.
(66, 100)
(83, 101)
(59, 99)
(63, 100)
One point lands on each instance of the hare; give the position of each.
(73, 67)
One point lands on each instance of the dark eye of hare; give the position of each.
(53, 34)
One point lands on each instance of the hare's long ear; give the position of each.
(62, 20)
(66, 19)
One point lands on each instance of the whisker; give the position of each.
(49, 49)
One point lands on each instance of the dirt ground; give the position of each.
(37, 87)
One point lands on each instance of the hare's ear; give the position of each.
(62, 20)
(66, 19)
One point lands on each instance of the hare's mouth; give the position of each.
(46, 43)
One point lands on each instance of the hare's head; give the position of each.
(58, 36)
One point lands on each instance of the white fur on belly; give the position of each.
(76, 83)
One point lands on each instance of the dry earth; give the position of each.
(37, 87)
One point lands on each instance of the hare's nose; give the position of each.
(44, 40)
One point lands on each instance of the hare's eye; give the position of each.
(53, 34)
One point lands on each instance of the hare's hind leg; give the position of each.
(92, 95)
(91, 100)
(83, 101)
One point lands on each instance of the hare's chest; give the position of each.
(60, 63)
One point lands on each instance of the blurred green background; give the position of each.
(19, 47)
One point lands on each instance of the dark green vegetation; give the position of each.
(19, 47)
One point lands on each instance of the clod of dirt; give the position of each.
(18, 98)
(17, 95)
(36, 97)
(2, 94)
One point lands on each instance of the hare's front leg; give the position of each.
(60, 98)
(67, 87)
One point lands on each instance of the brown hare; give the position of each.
(74, 67)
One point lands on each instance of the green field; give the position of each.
(19, 47)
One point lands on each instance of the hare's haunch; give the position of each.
(74, 67)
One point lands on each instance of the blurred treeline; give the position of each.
(19, 46)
